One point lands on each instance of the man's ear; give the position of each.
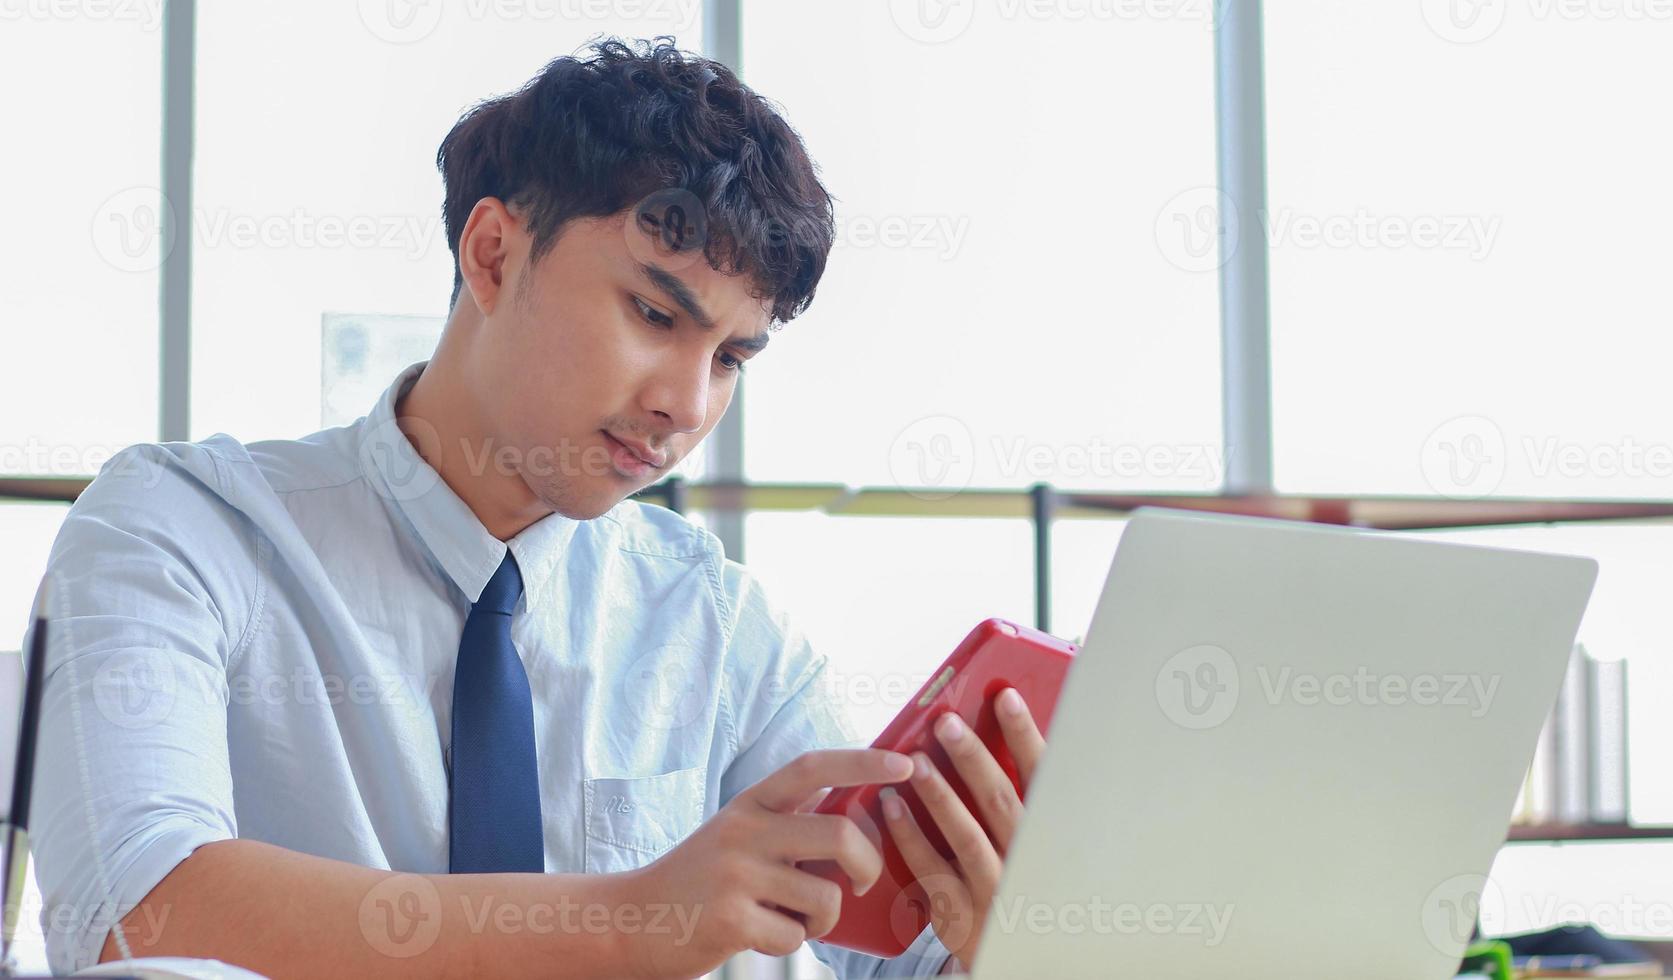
(491, 238)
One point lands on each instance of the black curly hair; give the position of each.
(593, 136)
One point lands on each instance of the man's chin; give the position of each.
(588, 505)
(585, 510)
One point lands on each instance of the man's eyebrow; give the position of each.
(682, 294)
(755, 344)
(675, 287)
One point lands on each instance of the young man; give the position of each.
(426, 694)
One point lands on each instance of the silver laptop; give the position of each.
(1284, 750)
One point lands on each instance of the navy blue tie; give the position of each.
(494, 804)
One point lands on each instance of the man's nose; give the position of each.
(681, 395)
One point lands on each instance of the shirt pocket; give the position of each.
(631, 820)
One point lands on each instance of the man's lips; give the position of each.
(651, 458)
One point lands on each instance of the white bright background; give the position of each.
(1021, 267)
(1551, 323)
(1024, 301)
(1544, 332)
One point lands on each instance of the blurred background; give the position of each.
(1398, 264)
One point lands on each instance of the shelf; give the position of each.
(1389, 513)
(60, 488)
(1044, 504)
(1559, 832)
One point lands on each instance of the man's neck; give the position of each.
(442, 425)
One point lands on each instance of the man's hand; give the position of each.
(960, 891)
(735, 881)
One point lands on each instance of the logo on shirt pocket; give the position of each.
(630, 820)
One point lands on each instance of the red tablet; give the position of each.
(997, 654)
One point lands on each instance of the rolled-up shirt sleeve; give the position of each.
(790, 708)
(132, 770)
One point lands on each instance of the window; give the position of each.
(1620, 887)
(1628, 618)
(1008, 301)
(1466, 225)
(84, 234)
(1469, 250)
(28, 530)
(887, 598)
(1081, 552)
(1466, 208)
(316, 185)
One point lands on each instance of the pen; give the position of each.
(16, 843)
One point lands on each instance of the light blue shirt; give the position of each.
(258, 642)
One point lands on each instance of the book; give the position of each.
(1606, 715)
(1570, 742)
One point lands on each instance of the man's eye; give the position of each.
(652, 314)
(736, 363)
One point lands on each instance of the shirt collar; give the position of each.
(441, 520)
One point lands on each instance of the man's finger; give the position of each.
(971, 846)
(772, 932)
(1023, 737)
(953, 908)
(812, 800)
(995, 797)
(798, 779)
(815, 901)
(920, 855)
(828, 837)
